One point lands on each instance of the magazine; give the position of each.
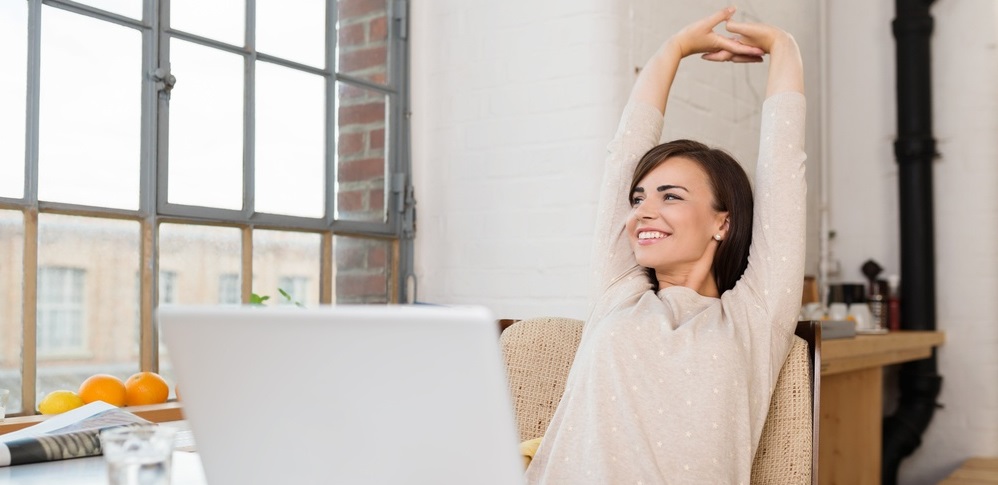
(72, 434)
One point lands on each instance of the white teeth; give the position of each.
(650, 235)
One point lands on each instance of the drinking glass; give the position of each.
(138, 455)
(4, 395)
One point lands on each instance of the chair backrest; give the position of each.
(539, 353)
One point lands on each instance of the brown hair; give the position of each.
(732, 194)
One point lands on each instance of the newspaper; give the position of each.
(72, 434)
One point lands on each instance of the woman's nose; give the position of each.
(645, 211)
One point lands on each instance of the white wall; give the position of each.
(864, 209)
(515, 101)
(513, 105)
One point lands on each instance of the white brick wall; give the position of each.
(515, 101)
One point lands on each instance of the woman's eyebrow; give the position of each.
(663, 188)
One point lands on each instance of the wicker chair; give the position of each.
(539, 352)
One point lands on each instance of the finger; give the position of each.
(742, 59)
(721, 15)
(736, 46)
(718, 56)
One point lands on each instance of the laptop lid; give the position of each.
(344, 394)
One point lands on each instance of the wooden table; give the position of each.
(852, 384)
(975, 471)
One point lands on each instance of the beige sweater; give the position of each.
(674, 387)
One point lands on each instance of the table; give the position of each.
(852, 385)
(93, 471)
(975, 471)
(187, 469)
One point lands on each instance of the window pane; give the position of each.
(128, 8)
(13, 90)
(361, 130)
(362, 46)
(86, 270)
(288, 261)
(11, 281)
(290, 121)
(206, 127)
(199, 256)
(221, 20)
(297, 34)
(363, 269)
(192, 260)
(91, 76)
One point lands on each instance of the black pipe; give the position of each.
(915, 149)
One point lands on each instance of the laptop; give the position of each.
(344, 394)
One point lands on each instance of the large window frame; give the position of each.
(154, 208)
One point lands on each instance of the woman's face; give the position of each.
(672, 218)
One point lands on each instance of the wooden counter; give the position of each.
(852, 386)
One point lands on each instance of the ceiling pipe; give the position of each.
(915, 149)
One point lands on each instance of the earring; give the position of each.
(717, 237)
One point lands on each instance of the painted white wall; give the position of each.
(864, 208)
(514, 102)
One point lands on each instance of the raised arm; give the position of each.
(776, 259)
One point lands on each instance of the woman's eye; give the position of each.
(672, 197)
(636, 200)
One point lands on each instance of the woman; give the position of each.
(679, 357)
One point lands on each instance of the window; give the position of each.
(61, 328)
(228, 289)
(261, 143)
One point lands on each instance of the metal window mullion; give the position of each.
(290, 64)
(331, 117)
(381, 88)
(162, 115)
(249, 112)
(32, 93)
(404, 223)
(96, 13)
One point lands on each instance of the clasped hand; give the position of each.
(748, 43)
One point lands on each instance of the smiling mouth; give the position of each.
(646, 235)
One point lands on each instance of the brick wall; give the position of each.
(362, 266)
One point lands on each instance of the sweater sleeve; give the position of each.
(773, 280)
(639, 130)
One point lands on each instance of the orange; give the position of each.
(146, 388)
(103, 387)
(57, 402)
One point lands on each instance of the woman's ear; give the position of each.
(723, 223)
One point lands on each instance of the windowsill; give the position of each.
(157, 413)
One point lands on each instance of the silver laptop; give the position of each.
(344, 394)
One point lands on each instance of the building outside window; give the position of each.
(61, 323)
(228, 289)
